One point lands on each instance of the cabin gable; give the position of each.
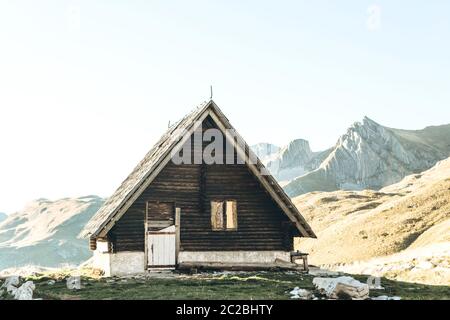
(261, 224)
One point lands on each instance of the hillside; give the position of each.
(410, 219)
(45, 232)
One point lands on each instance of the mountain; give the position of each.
(265, 151)
(402, 230)
(3, 216)
(45, 233)
(367, 156)
(290, 161)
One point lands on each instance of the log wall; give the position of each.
(262, 225)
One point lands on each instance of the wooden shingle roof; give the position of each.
(145, 172)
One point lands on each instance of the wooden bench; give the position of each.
(300, 255)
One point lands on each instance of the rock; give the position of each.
(73, 283)
(25, 291)
(11, 290)
(295, 291)
(11, 284)
(342, 288)
(51, 282)
(380, 298)
(385, 298)
(303, 294)
(13, 280)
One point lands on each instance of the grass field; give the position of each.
(218, 286)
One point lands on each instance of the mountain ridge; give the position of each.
(368, 155)
(45, 232)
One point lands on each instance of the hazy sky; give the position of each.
(86, 87)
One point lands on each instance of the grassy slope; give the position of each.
(248, 286)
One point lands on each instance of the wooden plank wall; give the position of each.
(261, 223)
(160, 215)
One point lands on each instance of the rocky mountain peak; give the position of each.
(299, 144)
(372, 156)
(365, 131)
(365, 124)
(297, 151)
(370, 122)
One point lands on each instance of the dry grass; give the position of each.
(358, 226)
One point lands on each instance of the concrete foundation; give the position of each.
(129, 263)
(234, 256)
(120, 263)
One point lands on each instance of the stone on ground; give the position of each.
(73, 283)
(342, 288)
(303, 294)
(385, 298)
(25, 291)
(11, 284)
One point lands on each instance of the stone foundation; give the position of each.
(129, 263)
(234, 256)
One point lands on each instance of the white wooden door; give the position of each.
(161, 248)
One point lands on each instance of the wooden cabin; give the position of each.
(166, 214)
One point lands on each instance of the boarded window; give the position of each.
(217, 215)
(224, 215)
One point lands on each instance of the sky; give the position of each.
(87, 87)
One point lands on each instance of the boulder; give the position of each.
(11, 284)
(303, 294)
(73, 283)
(25, 291)
(342, 288)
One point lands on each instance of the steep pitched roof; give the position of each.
(157, 157)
